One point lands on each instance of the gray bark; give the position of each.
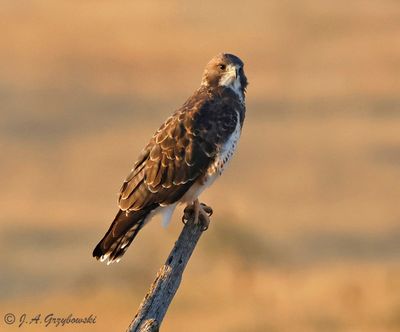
(155, 304)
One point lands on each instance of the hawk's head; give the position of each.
(225, 70)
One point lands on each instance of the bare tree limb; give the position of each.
(156, 302)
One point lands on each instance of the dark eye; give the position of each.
(222, 66)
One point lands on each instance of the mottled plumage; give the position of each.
(185, 155)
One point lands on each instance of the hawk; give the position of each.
(184, 157)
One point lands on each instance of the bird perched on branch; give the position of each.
(184, 157)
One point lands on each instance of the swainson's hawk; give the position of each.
(185, 156)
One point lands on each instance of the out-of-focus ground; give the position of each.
(306, 230)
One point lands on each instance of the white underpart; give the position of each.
(215, 170)
(167, 213)
(227, 150)
(231, 80)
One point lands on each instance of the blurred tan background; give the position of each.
(306, 230)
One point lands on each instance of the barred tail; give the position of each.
(120, 234)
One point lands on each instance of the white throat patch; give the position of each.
(232, 80)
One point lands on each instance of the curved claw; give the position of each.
(199, 212)
(207, 209)
(188, 214)
(204, 227)
(204, 219)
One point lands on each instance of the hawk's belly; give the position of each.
(216, 169)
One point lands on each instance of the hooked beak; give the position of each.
(230, 77)
(233, 72)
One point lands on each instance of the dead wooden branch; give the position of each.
(155, 304)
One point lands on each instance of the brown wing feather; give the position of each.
(181, 150)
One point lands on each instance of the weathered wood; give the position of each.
(156, 302)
